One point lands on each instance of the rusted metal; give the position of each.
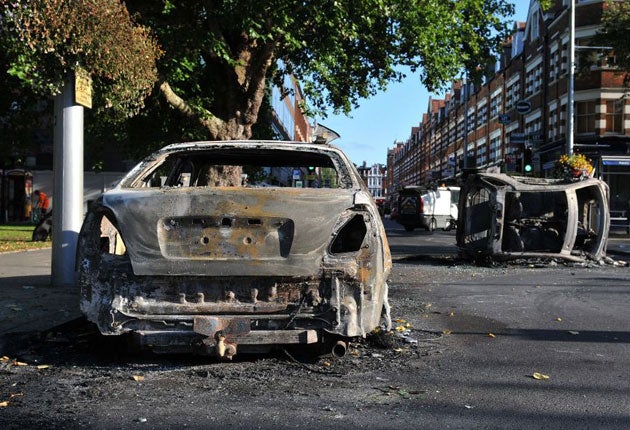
(503, 217)
(210, 326)
(217, 269)
(340, 348)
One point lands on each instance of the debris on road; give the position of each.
(540, 376)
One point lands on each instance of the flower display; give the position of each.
(575, 166)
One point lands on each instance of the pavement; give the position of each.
(28, 301)
(619, 246)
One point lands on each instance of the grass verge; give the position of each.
(17, 237)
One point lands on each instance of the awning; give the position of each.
(615, 160)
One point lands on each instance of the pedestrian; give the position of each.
(43, 202)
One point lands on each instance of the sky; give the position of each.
(388, 117)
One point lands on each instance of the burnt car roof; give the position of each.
(243, 149)
(246, 143)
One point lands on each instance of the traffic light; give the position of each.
(528, 166)
(311, 169)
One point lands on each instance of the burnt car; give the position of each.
(503, 217)
(236, 246)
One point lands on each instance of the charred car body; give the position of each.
(226, 247)
(505, 217)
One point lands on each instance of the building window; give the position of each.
(553, 123)
(495, 147)
(534, 126)
(495, 105)
(554, 66)
(564, 60)
(482, 157)
(513, 94)
(535, 26)
(482, 112)
(282, 109)
(471, 117)
(614, 116)
(585, 117)
(533, 80)
(609, 61)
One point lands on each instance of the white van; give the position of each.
(428, 208)
(440, 208)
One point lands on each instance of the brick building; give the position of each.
(288, 120)
(522, 107)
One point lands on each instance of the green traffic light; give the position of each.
(528, 168)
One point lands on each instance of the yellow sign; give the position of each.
(82, 88)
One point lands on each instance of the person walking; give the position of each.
(43, 202)
(43, 218)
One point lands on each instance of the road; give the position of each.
(504, 325)
(477, 337)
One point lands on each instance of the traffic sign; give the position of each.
(518, 138)
(523, 107)
(82, 88)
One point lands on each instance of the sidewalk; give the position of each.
(28, 302)
(619, 246)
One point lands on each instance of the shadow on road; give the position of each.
(428, 259)
(558, 335)
(31, 280)
(79, 343)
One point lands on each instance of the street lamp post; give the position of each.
(465, 149)
(571, 88)
(68, 180)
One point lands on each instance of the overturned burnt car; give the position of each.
(236, 246)
(503, 217)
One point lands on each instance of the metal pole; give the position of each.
(465, 149)
(67, 185)
(571, 89)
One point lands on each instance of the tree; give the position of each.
(45, 40)
(340, 51)
(614, 33)
(217, 57)
(20, 112)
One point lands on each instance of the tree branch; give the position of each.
(213, 124)
(258, 81)
(213, 26)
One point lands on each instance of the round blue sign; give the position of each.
(523, 106)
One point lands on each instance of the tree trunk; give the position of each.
(238, 91)
(222, 176)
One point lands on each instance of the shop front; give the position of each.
(615, 171)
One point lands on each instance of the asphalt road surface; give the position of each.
(469, 346)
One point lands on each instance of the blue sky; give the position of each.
(387, 117)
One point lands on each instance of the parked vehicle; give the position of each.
(234, 246)
(427, 208)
